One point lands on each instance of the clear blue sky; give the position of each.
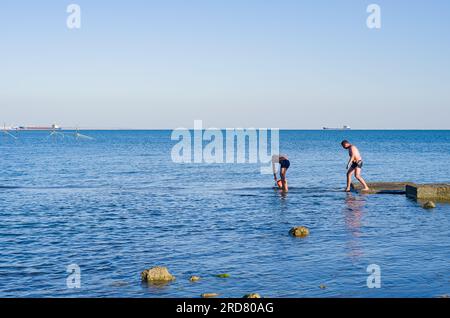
(231, 63)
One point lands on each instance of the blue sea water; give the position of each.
(117, 205)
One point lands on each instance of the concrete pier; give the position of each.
(440, 192)
(384, 187)
(434, 191)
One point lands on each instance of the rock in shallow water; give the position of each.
(299, 231)
(194, 278)
(429, 205)
(119, 284)
(157, 274)
(210, 295)
(253, 295)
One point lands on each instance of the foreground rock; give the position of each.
(429, 205)
(299, 231)
(157, 274)
(210, 295)
(254, 295)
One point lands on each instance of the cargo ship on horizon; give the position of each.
(345, 127)
(38, 128)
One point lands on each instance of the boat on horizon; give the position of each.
(38, 128)
(345, 127)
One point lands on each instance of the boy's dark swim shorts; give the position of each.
(285, 164)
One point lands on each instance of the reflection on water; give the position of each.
(283, 194)
(354, 211)
(281, 198)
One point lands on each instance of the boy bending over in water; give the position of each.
(284, 162)
(354, 165)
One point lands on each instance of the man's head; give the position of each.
(346, 144)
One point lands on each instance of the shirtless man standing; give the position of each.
(354, 166)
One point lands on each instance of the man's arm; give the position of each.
(274, 168)
(351, 159)
(349, 163)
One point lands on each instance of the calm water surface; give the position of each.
(117, 205)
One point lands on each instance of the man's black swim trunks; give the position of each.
(358, 164)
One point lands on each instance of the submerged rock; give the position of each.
(194, 278)
(119, 284)
(253, 295)
(299, 231)
(429, 205)
(157, 274)
(210, 295)
(223, 275)
(322, 286)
